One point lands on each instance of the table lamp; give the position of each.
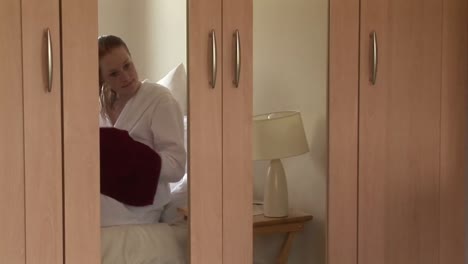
(275, 136)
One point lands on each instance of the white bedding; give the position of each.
(160, 243)
(144, 244)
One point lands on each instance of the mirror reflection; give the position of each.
(290, 130)
(142, 93)
(290, 80)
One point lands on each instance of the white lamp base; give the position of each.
(275, 199)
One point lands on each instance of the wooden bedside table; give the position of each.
(290, 225)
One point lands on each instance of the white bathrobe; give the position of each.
(153, 117)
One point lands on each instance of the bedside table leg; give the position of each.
(284, 254)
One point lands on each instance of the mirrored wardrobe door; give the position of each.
(143, 126)
(290, 72)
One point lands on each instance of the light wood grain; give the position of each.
(291, 224)
(237, 134)
(280, 228)
(43, 134)
(399, 133)
(284, 254)
(293, 217)
(343, 132)
(204, 134)
(80, 132)
(454, 132)
(12, 221)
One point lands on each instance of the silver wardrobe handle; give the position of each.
(375, 57)
(238, 59)
(50, 63)
(214, 66)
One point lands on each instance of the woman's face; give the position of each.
(118, 72)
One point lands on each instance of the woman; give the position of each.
(150, 115)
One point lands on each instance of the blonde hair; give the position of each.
(107, 96)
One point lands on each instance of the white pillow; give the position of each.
(176, 81)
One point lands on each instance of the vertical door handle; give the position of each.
(50, 63)
(238, 59)
(374, 58)
(214, 59)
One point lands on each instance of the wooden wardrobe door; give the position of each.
(399, 133)
(237, 132)
(12, 230)
(343, 116)
(80, 132)
(454, 133)
(42, 133)
(204, 133)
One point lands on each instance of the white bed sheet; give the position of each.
(144, 244)
(160, 243)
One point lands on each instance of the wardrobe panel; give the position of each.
(237, 131)
(12, 229)
(43, 133)
(399, 132)
(454, 132)
(204, 132)
(80, 132)
(343, 116)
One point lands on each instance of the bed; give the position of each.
(160, 243)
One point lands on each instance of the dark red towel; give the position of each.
(129, 169)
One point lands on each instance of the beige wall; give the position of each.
(154, 30)
(290, 73)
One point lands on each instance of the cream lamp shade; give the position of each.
(275, 136)
(278, 135)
